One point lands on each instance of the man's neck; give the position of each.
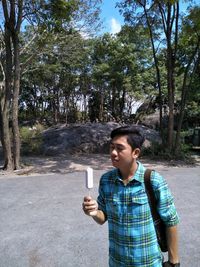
(129, 172)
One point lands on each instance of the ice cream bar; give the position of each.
(89, 178)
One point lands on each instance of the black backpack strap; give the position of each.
(150, 194)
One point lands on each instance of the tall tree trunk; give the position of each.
(101, 106)
(113, 103)
(171, 107)
(5, 134)
(171, 57)
(85, 108)
(55, 104)
(170, 88)
(122, 102)
(16, 87)
(5, 101)
(12, 11)
(168, 21)
(66, 108)
(157, 75)
(8, 163)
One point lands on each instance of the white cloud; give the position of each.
(115, 26)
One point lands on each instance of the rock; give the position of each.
(85, 138)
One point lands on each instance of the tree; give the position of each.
(60, 76)
(13, 13)
(45, 16)
(102, 76)
(147, 18)
(114, 74)
(189, 60)
(163, 21)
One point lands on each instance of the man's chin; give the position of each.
(115, 163)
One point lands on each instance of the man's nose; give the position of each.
(113, 151)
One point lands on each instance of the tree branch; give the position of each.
(164, 20)
(28, 44)
(172, 18)
(176, 30)
(5, 10)
(12, 14)
(19, 16)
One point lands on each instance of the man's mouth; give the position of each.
(114, 160)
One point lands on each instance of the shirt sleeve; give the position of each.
(101, 198)
(165, 200)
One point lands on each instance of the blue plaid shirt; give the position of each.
(132, 237)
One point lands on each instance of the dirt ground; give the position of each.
(69, 163)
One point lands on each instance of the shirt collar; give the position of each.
(138, 176)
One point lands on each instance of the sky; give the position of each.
(112, 19)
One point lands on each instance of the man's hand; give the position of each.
(90, 206)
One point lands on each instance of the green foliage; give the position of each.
(31, 139)
(80, 78)
(61, 9)
(159, 152)
(192, 113)
(119, 66)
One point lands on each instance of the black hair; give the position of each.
(135, 137)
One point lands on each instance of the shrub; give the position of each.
(31, 139)
(157, 151)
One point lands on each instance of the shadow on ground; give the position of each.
(64, 164)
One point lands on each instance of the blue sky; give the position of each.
(113, 20)
(111, 16)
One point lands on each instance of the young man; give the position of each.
(123, 202)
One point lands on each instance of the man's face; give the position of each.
(121, 153)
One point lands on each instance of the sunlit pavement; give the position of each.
(42, 224)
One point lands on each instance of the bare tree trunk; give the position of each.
(113, 103)
(55, 105)
(170, 87)
(171, 108)
(122, 102)
(66, 109)
(157, 75)
(172, 15)
(5, 134)
(101, 107)
(6, 96)
(85, 108)
(168, 19)
(2, 96)
(13, 17)
(8, 163)
(16, 87)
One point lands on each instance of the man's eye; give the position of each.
(117, 148)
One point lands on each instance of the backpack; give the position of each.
(159, 225)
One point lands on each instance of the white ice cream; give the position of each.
(89, 178)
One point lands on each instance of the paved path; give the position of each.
(42, 224)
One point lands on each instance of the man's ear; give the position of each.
(136, 153)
